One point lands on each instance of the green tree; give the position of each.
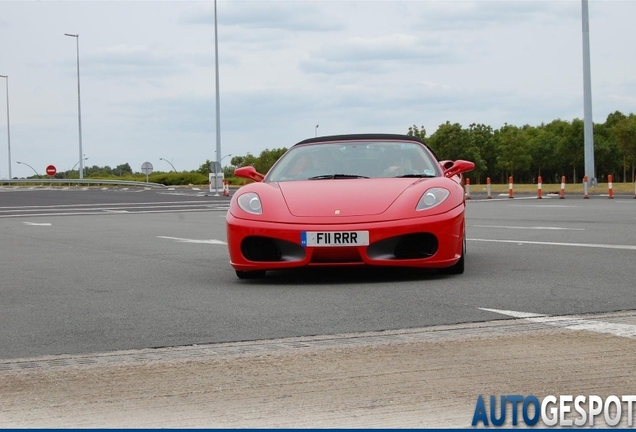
(542, 147)
(570, 148)
(482, 139)
(417, 132)
(514, 156)
(625, 132)
(267, 159)
(123, 169)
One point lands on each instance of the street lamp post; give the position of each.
(8, 133)
(588, 125)
(166, 160)
(85, 158)
(218, 98)
(79, 108)
(23, 163)
(316, 131)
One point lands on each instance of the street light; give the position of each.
(85, 158)
(316, 131)
(225, 157)
(79, 107)
(175, 170)
(8, 133)
(23, 163)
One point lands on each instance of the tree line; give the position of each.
(549, 150)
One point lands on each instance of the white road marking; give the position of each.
(184, 240)
(151, 204)
(505, 198)
(588, 245)
(87, 213)
(114, 211)
(531, 228)
(37, 224)
(615, 329)
(546, 206)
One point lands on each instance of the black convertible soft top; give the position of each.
(357, 137)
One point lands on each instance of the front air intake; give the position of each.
(267, 249)
(416, 246)
(261, 249)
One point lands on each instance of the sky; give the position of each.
(290, 70)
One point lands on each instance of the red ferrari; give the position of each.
(350, 200)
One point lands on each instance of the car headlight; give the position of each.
(251, 203)
(432, 198)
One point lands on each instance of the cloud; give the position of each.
(285, 16)
(373, 55)
(466, 15)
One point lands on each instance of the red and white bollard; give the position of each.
(510, 191)
(539, 186)
(467, 189)
(490, 195)
(562, 193)
(226, 188)
(610, 186)
(585, 195)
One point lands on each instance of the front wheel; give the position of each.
(257, 274)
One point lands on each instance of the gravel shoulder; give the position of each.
(413, 378)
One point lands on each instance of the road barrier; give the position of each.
(510, 191)
(467, 189)
(539, 186)
(490, 195)
(585, 195)
(562, 193)
(610, 186)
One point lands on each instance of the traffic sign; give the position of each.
(146, 168)
(51, 170)
(215, 167)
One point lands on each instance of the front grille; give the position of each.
(414, 246)
(261, 249)
(256, 248)
(409, 246)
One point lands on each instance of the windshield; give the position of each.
(354, 159)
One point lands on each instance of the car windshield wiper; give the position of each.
(336, 176)
(416, 176)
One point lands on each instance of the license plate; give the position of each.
(334, 238)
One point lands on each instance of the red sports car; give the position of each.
(350, 200)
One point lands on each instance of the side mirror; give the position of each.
(457, 167)
(249, 172)
(446, 164)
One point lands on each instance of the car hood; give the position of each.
(346, 197)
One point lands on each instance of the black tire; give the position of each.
(257, 274)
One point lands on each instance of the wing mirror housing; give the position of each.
(249, 172)
(458, 167)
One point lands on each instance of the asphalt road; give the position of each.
(87, 271)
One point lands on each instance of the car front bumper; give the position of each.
(426, 242)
